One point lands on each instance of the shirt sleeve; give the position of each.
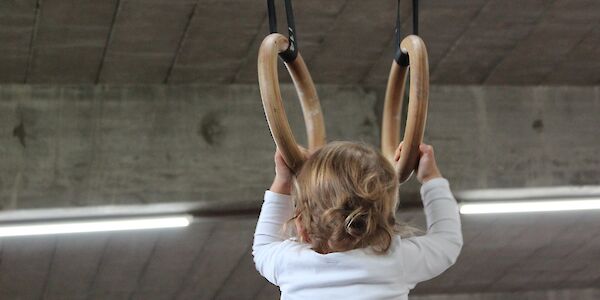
(427, 256)
(276, 210)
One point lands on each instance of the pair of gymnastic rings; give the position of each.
(412, 47)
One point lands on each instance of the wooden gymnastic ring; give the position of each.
(417, 107)
(270, 93)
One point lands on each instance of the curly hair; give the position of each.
(345, 197)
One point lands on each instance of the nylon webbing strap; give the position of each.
(291, 53)
(397, 33)
(415, 5)
(272, 16)
(400, 57)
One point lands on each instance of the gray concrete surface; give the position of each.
(103, 145)
(75, 146)
(344, 41)
(523, 123)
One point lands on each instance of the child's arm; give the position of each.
(428, 256)
(276, 210)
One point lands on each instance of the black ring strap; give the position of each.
(291, 53)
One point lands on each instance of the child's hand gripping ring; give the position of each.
(414, 47)
(268, 80)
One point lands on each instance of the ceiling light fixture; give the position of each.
(114, 224)
(549, 199)
(529, 206)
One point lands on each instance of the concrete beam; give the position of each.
(501, 137)
(107, 145)
(82, 146)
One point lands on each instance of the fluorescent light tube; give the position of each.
(120, 224)
(541, 193)
(529, 206)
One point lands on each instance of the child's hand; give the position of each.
(282, 183)
(426, 167)
(282, 171)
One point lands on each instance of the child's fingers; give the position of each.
(425, 154)
(427, 168)
(425, 149)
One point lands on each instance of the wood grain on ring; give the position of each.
(268, 80)
(417, 107)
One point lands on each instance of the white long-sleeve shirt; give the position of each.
(302, 273)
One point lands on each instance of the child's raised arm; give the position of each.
(276, 210)
(427, 256)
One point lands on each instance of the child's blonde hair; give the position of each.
(345, 197)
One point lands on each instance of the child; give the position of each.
(343, 203)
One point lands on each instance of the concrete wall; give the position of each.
(97, 145)
(500, 136)
(84, 145)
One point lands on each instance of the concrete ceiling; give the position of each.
(211, 260)
(516, 42)
(490, 42)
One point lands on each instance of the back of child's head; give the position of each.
(346, 196)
